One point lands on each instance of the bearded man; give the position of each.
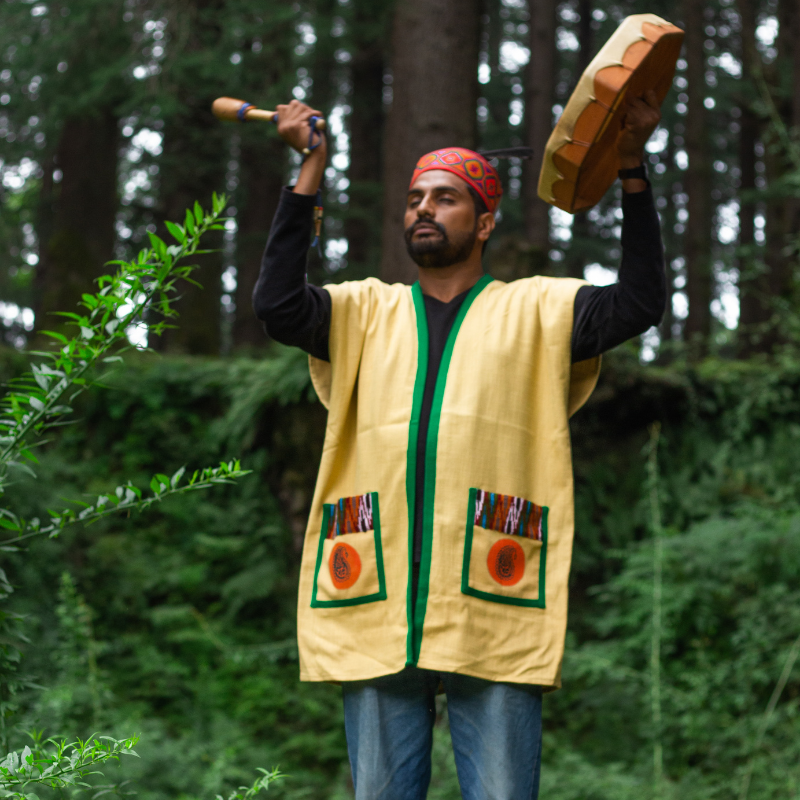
(440, 536)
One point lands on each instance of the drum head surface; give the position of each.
(580, 161)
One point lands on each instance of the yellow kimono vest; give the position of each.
(498, 499)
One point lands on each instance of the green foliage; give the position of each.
(260, 784)
(38, 400)
(12, 639)
(124, 498)
(58, 765)
(180, 623)
(192, 606)
(36, 404)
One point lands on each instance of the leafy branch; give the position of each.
(124, 498)
(58, 765)
(262, 783)
(37, 402)
(38, 399)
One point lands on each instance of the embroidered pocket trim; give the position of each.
(349, 568)
(505, 538)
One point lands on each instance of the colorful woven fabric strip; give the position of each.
(468, 165)
(505, 513)
(351, 515)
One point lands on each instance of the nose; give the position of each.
(426, 207)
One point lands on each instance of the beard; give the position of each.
(442, 252)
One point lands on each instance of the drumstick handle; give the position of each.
(228, 108)
(261, 114)
(272, 116)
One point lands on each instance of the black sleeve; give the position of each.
(293, 311)
(606, 316)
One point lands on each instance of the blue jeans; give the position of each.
(496, 729)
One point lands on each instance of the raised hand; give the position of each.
(293, 125)
(642, 115)
(294, 128)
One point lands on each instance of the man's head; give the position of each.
(450, 207)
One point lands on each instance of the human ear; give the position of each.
(485, 226)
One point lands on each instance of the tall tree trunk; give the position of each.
(580, 224)
(268, 80)
(672, 249)
(774, 284)
(783, 214)
(493, 30)
(362, 224)
(752, 310)
(261, 170)
(323, 65)
(699, 276)
(434, 65)
(195, 152)
(540, 80)
(79, 236)
(192, 168)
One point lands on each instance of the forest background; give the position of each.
(179, 624)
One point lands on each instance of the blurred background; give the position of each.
(179, 624)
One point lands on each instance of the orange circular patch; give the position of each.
(345, 565)
(506, 562)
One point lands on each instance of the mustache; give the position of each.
(427, 222)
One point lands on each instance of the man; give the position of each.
(440, 535)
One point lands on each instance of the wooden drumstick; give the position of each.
(228, 108)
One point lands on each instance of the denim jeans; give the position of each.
(496, 729)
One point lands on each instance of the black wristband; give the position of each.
(633, 172)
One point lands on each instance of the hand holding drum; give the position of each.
(611, 113)
(228, 108)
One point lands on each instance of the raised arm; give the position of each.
(606, 316)
(294, 312)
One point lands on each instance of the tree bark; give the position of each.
(80, 231)
(362, 224)
(751, 307)
(323, 66)
(576, 260)
(671, 250)
(493, 31)
(434, 65)
(770, 287)
(540, 80)
(263, 157)
(782, 212)
(261, 170)
(699, 276)
(195, 152)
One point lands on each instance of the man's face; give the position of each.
(440, 224)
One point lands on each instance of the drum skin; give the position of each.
(580, 161)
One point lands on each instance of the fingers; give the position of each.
(293, 124)
(295, 110)
(641, 112)
(651, 99)
(641, 118)
(644, 104)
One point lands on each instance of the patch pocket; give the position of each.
(505, 549)
(349, 568)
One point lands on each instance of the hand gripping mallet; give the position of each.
(227, 108)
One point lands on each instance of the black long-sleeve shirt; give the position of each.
(296, 313)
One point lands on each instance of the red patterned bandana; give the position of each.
(468, 165)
